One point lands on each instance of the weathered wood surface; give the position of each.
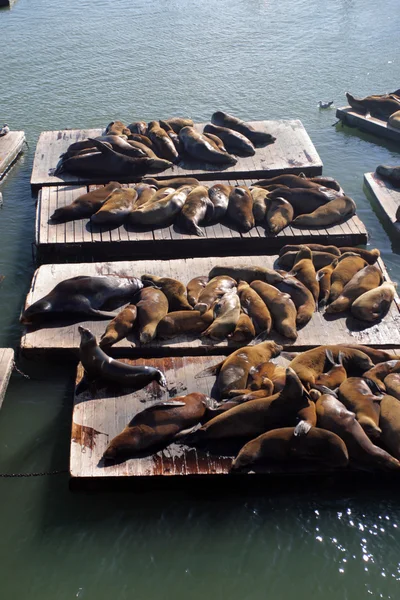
(292, 152)
(80, 240)
(387, 196)
(10, 147)
(65, 339)
(6, 367)
(350, 117)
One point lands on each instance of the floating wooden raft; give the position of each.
(292, 152)
(6, 367)
(387, 196)
(10, 147)
(350, 117)
(80, 240)
(65, 339)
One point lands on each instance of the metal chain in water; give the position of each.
(8, 475)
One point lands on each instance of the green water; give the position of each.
(82, 64)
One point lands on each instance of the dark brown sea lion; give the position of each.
(145, 193)
(215, 141)
(200, 148)
(183, 322)
(117, 128)
(139, 127)
(370, 256)
(85, 205)
(163, 144)
(281, 445)
(177, 123)
(343, 273)
(290, 181)
(389, 421)
(379, 372)
(240, 208)
(226, 316)
(357, 395)
(260, 202)
(151, 308)
(194, 287)
(324, 276)
(117, 207)
(255, 307)
(197, 209)
(391, 174)
(157, 425)
(173, 289)
(304, 270)
(302, 200)
(328, 182)
(119, 327)
(82, 295)
(313, 247)
(374, 304)
(392, 384)
(219, 196)
(280, 214)
(367, 279)
(244, 330)
(234, 141)
(281, 307)
(174, 182)
(162, 209)
(320, 259)
(139, 149)
(142, 139)
(335, 211)
(258, 138)
(380, 107)
(213, 291)
(248, 274)
(301, 297)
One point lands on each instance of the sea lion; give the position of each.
(370, 256)
(324, 276)
(160, 212)
(392, 384)
(234, 141)
(119, 327)
(197, 209)
(367, 279)
(174, 182)
(163, 144)
(313, 247)
(200, 148)
(281, 445)
(183, 322)
(194, 287)
(267, 373)
(281, 307)
(380, 371)
(343, 273)
(328, 182)
(85, 205)
(258, 138)
(280, 214)
(389, 422)
(117, 143)
(333, 416)
(260, 202)
(82, 295)
(335, 211)
(335, 376)
(244, 330)
(391, 174)
(301, 297)
(304, 270)
(215, 141)
(117, 128)
(240, 208)
(219, 196)
(142, 139)
(394, 119)
(151, 308)
(139, 127)
(177, 123)
(357, 395)
(291, 181)
(374, 304)
(320, 259)
(255, 307)
(377, 106)
(240, 396)
(145, 193)
(302, 200)
(139, 149)
(99, 366)
(213, 291)
(226, 316)
(247, 273)
(176, 141)
(157, 425)
(173, 289)
(117, 207)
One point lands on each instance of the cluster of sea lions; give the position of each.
(139, 148)
(272, 203)
(381, 106)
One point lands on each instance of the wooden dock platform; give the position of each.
(292, 152)
(350, 117)
(80, 240)
(11, 146)
(63, 339)
(387, 196)
(6, 367)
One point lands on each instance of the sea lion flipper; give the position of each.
(330, 356)
(167, 404)
(100, 313)
(214, 370)
(302, 428)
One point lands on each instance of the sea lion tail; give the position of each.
(214, 370)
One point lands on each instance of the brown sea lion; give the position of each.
(215, 141)
(173, 182)
(281, 307)
(157, 425)
(258, 138)
(162, 142)
(333, 416)
(226, 316)
(379, 372)
(247, 273)
(302, 200)
(259, 204)
(85, 205)
(141, 149)
(290, 181)
(117, 207)
(301, 297)
(161, 211)
(374, 304)
(194, 287)
(213, 291)
(117, 128)
(200, 148)
(244, 330)
(176, 141)
(378, 106)
(197, 209)
(255, 307)
(142, 139)
(139, 127)
(370, 256)
(183, 322)
(367, 279)
(234, 141)
(357, 395)
(240, 396)
(280, 214)
(335, 376)
(392, 385)
(219, 196)
(267, 372)
(313, 247)
(177, 123)
(151, 308)
(324, 276)
(394, 119)
(389, 422)
(304, 270)
(281, 445)
(320, 259)
(119, 327)
(328, 182)
(240, 208)
(391, 174)
(174, 290)
(343, 273)
(145, 193)
(335, 211)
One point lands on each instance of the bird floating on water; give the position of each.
(325, 104)
(4, 130)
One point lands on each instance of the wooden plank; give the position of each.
(387, 197)
(6, 367)
(64, 338)
(295, 154)
(11, 146)
(378, 127)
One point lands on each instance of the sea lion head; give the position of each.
(35, 311)
(87, 336)
(124, 444)
(160, 378)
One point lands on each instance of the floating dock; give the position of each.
(64, 339)
(11, 146)
(387, 196)
(79, 240)
(6, 367)
(292, 152)
(350, 117)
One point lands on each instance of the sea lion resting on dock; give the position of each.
(119, 327)
(258, 138)
(378, 106)
(392, 174)
(117, 207)
(200, 148)
(374, 304)
(85, 205)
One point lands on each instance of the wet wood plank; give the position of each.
(387, 196)
(11, 146)
(64, 339)
(381, 128)
(6, 367)
(295, 155)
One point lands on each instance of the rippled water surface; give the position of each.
(81, 64)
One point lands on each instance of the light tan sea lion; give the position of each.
(183, 322)
(157, 425)
(335, 376)
(194, 287)
(160, 212)
(265, 373)
(343, 273)
(247, 273)
(324, 276)
(219, 196)
(374, 304)
(164, 145)
(139, 127)
(281, 445)
(379, 372)
(389, 422)
(173, 289)
(145, 193)
(255, 307)
(197, 209)
(367, 279)
(313, 247)
(259, 204)
(240, 208)
(378, 106)
(258, 138)
(117, 207)
(234, 141)
(226, 316)
(301, 297)
(119, 327)
(240, 396)
(320, 259)
(304, 270)
(303, 200)
(335, 211)
(244, 330)
(85, 205)
(392, 384)
(173, 182)
(370, 256)
(177, 123)
(117, 128)
(280, 214)
(200, 148)
(213, 291)
(151, 308)
(281, 307)
(357, 396)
